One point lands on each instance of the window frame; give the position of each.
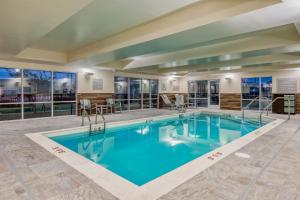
(51, 102)
(261, 98)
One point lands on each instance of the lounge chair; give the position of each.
(167, 101)
(85, 104)
(179, 103)
(111, 103)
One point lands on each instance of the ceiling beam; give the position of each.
(195, 15)
(26, 21)
(239, 62)
(271, 38)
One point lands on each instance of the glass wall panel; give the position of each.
(154, 93)
(250, 88)
(36, 96)
(257, 90)
(201, 89)
(214, 92)
(10, 111)
(198, 93)
(64, 86)
(266, 91)
(10, 85)
(37, 86)
(192, 89)
(37, 110)
(135, 88)
(136, 93)
(266, 87)
(146, 93)
(124, 103)
(64, 108)
(201, 102)
(121, 91)
(146, 88)
(121, 87)
(135, 104)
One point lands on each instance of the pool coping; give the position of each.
(124, 189)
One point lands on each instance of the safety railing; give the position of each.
(270, 104)
(84, 114)
(99, 112)
(251, 102)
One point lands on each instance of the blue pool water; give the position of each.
(142, 152)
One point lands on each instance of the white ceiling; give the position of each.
(103, 18)
(25, 21)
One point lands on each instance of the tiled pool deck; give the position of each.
(28, 171)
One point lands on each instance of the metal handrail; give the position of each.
(267, 107)
(98, 112)
(249, 104)
(83, 115)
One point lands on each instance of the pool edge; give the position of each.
(122, 188)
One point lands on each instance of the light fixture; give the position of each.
(88, 74)
(228, 76)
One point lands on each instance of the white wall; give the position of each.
(231, 82)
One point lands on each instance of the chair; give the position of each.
(167, 101)
(113, 105)
(85, 104)
(179, 103)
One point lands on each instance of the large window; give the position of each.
(257, 90)
(121, 91)
(136, 93)
(198, 93)
(64, 93)
(10, 94)
(36, 93)
(204, 93)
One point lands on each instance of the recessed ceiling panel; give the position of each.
(103, 18)
(25, 21)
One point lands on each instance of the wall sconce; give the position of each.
(228, 77)
(88, 74)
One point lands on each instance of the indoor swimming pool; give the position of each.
(141, 152)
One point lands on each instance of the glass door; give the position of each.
(154, 93)
(135, 93)
(204, 93)
(214, 94)
(146, 93)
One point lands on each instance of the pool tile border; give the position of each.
(122, 188)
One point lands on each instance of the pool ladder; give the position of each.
(94, 130)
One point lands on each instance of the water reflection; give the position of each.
(194, 132)
(143, 152)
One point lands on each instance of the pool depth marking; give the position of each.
(58, 150)
(213, 156)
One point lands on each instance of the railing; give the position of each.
(99, 112)
(85, 114)
(270, 104)
(249, 104)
